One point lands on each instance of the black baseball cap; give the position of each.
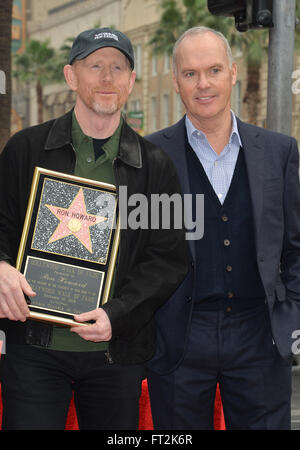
(89, 41)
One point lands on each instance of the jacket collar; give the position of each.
(253, 145)
(60, 133)
(176, 135)
(129, 148)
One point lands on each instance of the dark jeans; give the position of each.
(237, 351)
(37, 386)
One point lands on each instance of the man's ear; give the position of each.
(175, 84)
(70, 77)
(132, 81)
(234, 73)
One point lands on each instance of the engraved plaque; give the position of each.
(69, 245)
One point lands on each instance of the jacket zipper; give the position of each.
(109, 358)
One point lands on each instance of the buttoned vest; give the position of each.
(226, 265)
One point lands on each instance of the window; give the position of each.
(136, 105)
(165, 110)
(166, 62)
(153, 114)
(154, 65)
(137, 49)
(178, 108)
(2, 82)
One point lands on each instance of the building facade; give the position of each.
(153, 103)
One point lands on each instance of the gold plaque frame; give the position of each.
(69, 245)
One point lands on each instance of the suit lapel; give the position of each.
(176, 148)
(176, 137)
(254, 157)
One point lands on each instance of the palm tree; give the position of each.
(255, 46)
(38, 65)
(64, 50)
(179, 15)
(5, 66)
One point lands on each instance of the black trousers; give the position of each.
(237, 351)
(37, 387)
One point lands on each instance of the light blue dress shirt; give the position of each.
(218, 168)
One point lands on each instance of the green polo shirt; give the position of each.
(100, 170)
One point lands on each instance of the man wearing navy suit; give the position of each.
(231, 320)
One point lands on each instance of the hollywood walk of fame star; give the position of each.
(75, 221)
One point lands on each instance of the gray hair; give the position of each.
(200, 31)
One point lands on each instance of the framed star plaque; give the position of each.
(69, 245)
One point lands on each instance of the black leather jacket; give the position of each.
(152, 263)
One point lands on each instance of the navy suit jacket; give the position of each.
(272, 161)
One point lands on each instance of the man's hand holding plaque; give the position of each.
(13, 306)
(13, 286)
(97, 332)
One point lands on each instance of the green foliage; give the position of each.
(180, 15)
(254, 44)
(37, 63)
(297, 29)
(42, 63)
(196, 13)
(62, 57)
(64, 53)
(169, 28)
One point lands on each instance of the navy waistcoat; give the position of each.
(226, 265)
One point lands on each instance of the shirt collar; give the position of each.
(111, 147)
(192, 131)
(78, 135)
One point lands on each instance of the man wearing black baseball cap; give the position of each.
(91, 40)
(102, 363)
